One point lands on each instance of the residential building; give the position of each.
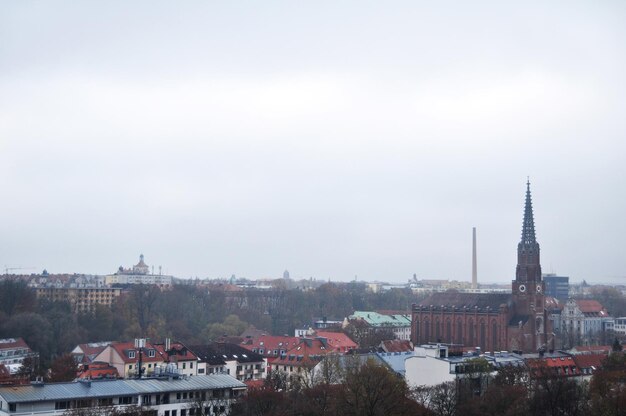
(399, 324)
(619, 327)
(301, 359)
(588, 364)
(97, 370)
(81, 299)
(127, 356)
(179, 356)
(337, 342)
(432, 365)
(192, 396)
(271, 347)
(583, 319)
(85, 353)
(395, 345)
(13, 351)
(552, 364)
(232, 359)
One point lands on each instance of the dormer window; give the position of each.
(131, 354)
(151, 353)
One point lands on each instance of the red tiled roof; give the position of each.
(307, 351)
(337, 341)
(590, 360)
(97, 370)
(563, 366)
(591, 306)
(11, 343)
(269, 344)
(397, 345)
(177, 352)
(90, 350)
(123, 348)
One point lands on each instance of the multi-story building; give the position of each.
(620, 325)
(399, 324)
(85, 353)
(82, 299)
(138, 274)
(299, 361)
(271, 347)
(583, 317)
(557, 286)
(128, 356)
(232, 359)
(13, 351)
(189, 396)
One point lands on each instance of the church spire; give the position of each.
(528, 226)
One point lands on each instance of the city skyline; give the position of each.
(330, 140)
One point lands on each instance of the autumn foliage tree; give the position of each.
(63, 368)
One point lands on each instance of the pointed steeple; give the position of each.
(528, 226)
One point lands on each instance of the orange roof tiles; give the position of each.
(271, 345)
(337, 341)
(97, 370)
(590, 360)
(130, 354)
(397, 345)
(591, 306)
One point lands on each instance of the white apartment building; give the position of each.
(192, 396)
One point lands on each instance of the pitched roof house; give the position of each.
(125, 357)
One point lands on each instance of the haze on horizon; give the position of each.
(328, 139)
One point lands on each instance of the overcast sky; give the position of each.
(332, 139)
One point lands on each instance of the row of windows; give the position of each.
(150, 353)
(194, 411)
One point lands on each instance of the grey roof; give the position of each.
(460, 300)
(217, 353)
(112, 388)
(396, 360)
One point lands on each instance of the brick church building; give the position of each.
(492, 321)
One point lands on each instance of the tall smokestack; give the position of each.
(474, 266)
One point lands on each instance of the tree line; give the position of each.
(193, 314)
(372, 389)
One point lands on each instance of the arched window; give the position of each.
(448, 331)
(494, 335)
(426, 330)
(470, 333)
(483, 335)
(437, 330)
(416, 330)
(459, 331)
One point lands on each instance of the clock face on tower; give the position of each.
(522, 288)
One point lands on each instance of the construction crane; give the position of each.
(10, 269)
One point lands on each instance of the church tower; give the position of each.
(528, 288)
